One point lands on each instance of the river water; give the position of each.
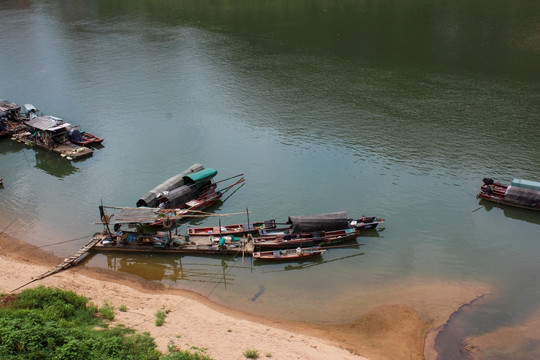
(394, 109)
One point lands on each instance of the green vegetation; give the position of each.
(185, 355)
(46, 323)
(122, 308)
(251, 354)
(160, 317)
(107, 311)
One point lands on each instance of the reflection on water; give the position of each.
(7, 146)
(173, 269)
(53, 164)
(301, 264)
(512, 212)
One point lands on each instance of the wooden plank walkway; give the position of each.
(67, 263)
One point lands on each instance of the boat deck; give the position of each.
(69, 151)
(193, 245)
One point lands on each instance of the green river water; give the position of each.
(394, 109)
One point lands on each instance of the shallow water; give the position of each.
(375, 108)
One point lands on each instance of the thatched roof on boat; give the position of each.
(150, 199)
(319, 222)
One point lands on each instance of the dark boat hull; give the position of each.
(281, 242)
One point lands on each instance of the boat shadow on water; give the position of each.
(511, 211)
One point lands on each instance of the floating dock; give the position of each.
(68, 151)
(200, 245)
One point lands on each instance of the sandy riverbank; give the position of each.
(394, 329)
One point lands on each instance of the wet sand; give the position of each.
(400, 320)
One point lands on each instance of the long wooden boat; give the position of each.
(83, 138)
(520, 193)
(163, 242)
(320, 238)
(289, 254)
(236, 229)
(364, 223)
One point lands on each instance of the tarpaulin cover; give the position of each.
(75, 135)
(320, 222)
(179, 196)
(150, 199)
(528, 184)
(523, 196)
(200, 178)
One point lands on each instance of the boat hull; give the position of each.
(284, 242)
(288, 255)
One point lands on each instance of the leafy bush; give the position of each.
(251, 354)
(53, 324)
(160, 317)
(46, 323)
(107, 311)
(185, 355)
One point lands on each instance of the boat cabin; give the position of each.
(48, 130)
(9, 110)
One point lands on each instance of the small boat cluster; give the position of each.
(153, 225)
(28, 125)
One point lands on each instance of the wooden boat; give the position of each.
(197, 192)
(366, 223)
(237, 229)
(83, 138)
(321, 238)
(150, 198)
(323, 222)
(206, 200)
(131, 240)
(289, 254)
(520, 193)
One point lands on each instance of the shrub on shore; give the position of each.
(47, 323)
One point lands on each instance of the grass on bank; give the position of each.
(47, 323)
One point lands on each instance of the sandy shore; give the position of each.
(397, 328)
